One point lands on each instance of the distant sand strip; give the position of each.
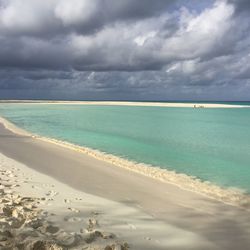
(230, 196)
(127, 103)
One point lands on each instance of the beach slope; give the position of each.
(187, 220)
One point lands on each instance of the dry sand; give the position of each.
(146, 213)
(38, 212)
(28, 220)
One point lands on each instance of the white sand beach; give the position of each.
(130, 103)
(84, 203)
(124, 125)
(37, 211)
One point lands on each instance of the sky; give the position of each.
(125, 49)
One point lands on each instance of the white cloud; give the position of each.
(180, 47)
(75, 11)
(140, 40)
(21, 16)
(183, 67)
(198, 35)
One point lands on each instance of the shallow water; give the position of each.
(211, 144)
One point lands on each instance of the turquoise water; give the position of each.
(211, 144)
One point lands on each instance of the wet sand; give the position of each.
(215, 224)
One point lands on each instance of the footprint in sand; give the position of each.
(52, 229)
(36, 187)
(67, 201)
(93, 236)
(78, 199)
(52, 193)
(45, 185)
(95, 213)
(74, 209)
(93, 223)
(16, 185)
(8, 185)
(8, 191)
(73, 219)
(15, 169)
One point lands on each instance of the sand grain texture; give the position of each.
(26, 223)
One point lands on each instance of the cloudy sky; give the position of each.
(125, 49)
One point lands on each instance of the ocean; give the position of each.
(210, 144)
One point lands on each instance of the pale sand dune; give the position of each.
(153, 214)
(127, 103)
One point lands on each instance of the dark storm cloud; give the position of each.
(42, 18)
(123, 48)
(129, 35)
(29, 52)
(241, 5)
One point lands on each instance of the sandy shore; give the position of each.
(153, 214)
(230, 196)
(126, 103)
(38, 212)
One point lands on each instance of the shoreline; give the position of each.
(129, 103)
(167, 216)
(231, 196)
